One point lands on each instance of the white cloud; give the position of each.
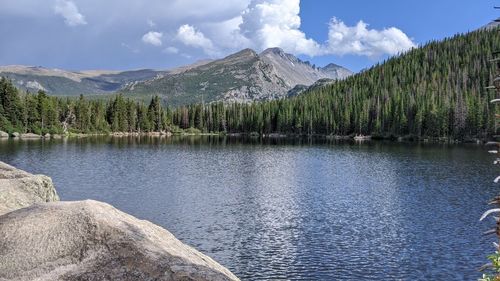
(153, 38)
(189, 36)
(360, 40)
(276, 23)
(226, 35)
(198, 28)
(69, 11)
(171, 50)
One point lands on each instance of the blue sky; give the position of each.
(107, 34)
(421, 20)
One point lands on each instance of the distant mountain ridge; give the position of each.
(64, 82)
(243, 76)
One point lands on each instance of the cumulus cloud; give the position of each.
(189, 36)
(360, 40)
(276, 23)
(69, 11)
(198, 28)
(153, 38)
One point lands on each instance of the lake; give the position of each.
(299, 209)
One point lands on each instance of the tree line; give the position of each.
(437, 90)
(39, 113)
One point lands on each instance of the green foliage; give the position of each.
(192, 131)
(495, 262)
(206, 83)
(41, 114)
(62, 85)
(437, 90)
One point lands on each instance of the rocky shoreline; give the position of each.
(357, 138)
(42, 238)
(16, 135)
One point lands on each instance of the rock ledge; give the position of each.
(87, 240)
(19, 189)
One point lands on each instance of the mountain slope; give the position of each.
(241, 76)
(244, 76)
(295, 72)
(437, 90)
(63, 82)
(68, 83)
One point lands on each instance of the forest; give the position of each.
(437, 90)
(41, 114)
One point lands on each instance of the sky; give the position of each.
(161, 34)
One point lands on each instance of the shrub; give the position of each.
(192, 131)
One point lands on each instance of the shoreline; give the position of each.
(253, 135)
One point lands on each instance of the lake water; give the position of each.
(296, 209)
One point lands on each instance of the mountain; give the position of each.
(242, 77)
(294, 71)
(438, 90)
(68, 83)
(64, 82)
(299, 89)
(491, 25)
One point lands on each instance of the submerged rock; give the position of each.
(86, 240)
(19, 189)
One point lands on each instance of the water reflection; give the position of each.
(298, 209)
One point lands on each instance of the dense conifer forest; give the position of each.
(438, 90)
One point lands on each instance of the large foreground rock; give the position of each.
(90, 240)
(86, 240)
(19, 189)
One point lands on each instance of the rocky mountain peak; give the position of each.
(278, 53)
(275, 50)
(245, 53)
(243, 76)
(330, 66)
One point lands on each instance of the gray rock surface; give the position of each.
(19, 189)
(4, 134)
(90, 240)
(30, 136)
(86, 240)
(297, 72)
(15, 135)
(244, 76)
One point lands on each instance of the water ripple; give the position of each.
(290, 212)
